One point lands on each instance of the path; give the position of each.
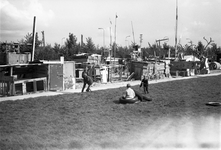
(99, 86)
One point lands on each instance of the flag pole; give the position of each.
(115, 45)
(110, 40)
(110, 55)
(176, 28)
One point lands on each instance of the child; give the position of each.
(144, 83)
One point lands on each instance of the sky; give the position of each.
(154, 19)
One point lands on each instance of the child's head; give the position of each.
(128, 85)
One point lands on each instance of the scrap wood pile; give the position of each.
(156, 70)
(183, 68)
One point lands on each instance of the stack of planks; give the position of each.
(155, 70)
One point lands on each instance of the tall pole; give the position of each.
(103, 41)
(82, 38)
(110, 37)
(176, 28)
(110, 40)
(141, 39)
(103, 37)
(126, 40)
(115, 37)
(62, 41)
(133, 31)
(43, 38)
(110, 55)
(33, 37)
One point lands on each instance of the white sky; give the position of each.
(155, 19)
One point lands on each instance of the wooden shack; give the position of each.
(184, 68)
(19, 79)
(86, 58)
(154, 69)
(22, 79)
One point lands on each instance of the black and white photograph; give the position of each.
(110, 74)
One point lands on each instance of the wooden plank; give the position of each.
(24, 91)
(34, 86)
(11, 71)
(10, 65)
(130, 77)
(6, 79)
(49, 76)
(3, 88)
(30, 80)
(45, 85)
(11, 88)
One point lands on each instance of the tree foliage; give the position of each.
(27, 42)
(123, 52)
(200, 49)
(46, 53)
(73, 47)
(71, 42)
(89, 47)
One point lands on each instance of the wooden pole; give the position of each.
(115, 45)
(176, 29)
(141, 39)
(133, 31)
(33, 37)
(110, 56)
(169, 53)
(43, 38)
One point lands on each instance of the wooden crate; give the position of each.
(14, 58)
(9, 85)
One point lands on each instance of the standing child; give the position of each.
(87, 80)
(144, 83)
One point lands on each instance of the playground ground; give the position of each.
(176, 118)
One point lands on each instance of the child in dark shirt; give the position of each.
(144, 83)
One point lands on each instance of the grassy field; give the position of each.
(177, 117)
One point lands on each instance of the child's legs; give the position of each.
(83, 87)
(144, 89)
(88, 88)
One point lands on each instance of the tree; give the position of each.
(27, 43)
(199, 49)
(44, 53)
(71, 47)
(164, 51)
(212, 52)
(123, 52)
(189, 49)
(57, 48)
(89, 47)
(153, 50)
(71, 41)
(49, 53)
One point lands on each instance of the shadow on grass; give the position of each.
(76, 145)
(208, 145)
(143, 100)
(122, 103)
(125, 103)
(111, 145)
(117, 102)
